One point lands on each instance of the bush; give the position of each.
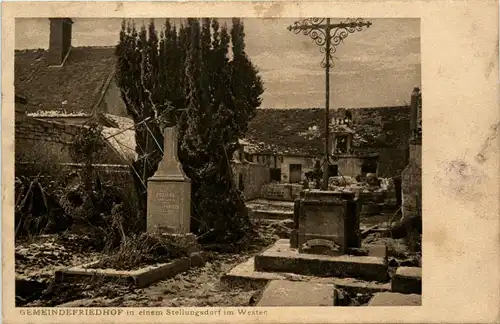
(38, 175)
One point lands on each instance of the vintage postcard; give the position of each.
(262, 162)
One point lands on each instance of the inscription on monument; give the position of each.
(319, 222)
(168, 201)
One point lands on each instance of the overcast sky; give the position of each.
(378, 66)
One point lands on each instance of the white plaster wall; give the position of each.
(306, 162)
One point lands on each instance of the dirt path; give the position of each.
(198, 287)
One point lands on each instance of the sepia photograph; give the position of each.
(250, 161)
(217, 162)
(173, 162)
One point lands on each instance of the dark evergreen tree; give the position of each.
(188, 72)
(247, 85)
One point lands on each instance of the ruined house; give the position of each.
(290, 141)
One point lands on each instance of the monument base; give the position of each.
(282, 258)
(169, 209)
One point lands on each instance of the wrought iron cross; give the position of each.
(327, 36)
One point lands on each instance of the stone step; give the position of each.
(395, 299)
(282, 258)
(244, 274)
(296, 293)
(286, 205)
(270, 214)
(407, 280)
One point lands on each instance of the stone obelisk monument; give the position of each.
(169, 191)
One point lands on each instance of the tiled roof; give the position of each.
(74, 88)
(300, 131)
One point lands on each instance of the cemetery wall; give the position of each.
(34, 137)
(253, 175)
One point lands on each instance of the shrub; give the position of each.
(38, 175)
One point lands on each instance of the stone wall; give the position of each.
(281, 191)
(64, 119)
(411, 187)
(416, 152)
(253, 177)
(411, 176)
(411, 179)
(35, 137)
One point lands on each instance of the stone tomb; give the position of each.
(325, 241)
(169, 193)
(326, 222)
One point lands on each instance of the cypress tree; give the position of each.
(188, 71)
(246, 83)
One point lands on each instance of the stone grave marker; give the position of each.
(328, 222)
(169, 193)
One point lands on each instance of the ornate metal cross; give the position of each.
(327, 36)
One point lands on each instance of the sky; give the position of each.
(376, 67)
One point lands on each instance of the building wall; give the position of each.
(254, 176)
(65, 120)
(306, 162)
(272, 161)
(348, 165)
(34, 137)
(112, 102)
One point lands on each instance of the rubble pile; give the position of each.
(378, 195)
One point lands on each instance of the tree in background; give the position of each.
(246, 83)
(187, 75)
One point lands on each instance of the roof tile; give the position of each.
(73, 88)
(379, 127)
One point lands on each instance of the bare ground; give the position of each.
(37, 260)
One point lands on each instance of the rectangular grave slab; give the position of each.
(407, 280)
(140, 278)
(282, 293)
(282, 258)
